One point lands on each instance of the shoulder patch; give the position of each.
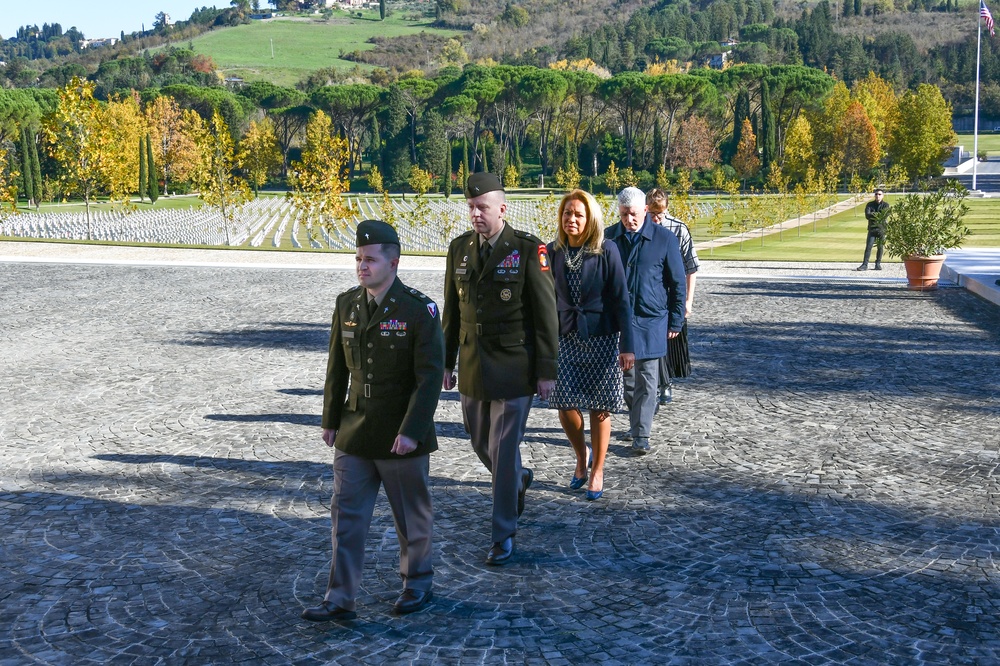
(543, 257)
(433, 309)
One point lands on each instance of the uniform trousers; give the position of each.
(356, 481)
(640, 395)
(496, 428)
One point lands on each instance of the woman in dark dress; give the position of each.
(595, 336)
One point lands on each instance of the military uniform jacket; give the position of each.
(500, 318)
(383, 377)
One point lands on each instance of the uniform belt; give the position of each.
(372, 391)
(494, 328)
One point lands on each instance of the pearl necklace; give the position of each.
(574, 261)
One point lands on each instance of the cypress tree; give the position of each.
(657, 144)
(36, 171)
(446, 182)
(381, 10)
(465, 157)
(143, 175)
(26, 172)
(857, 7)
(153, 187)
(741, 110)
(766, 138)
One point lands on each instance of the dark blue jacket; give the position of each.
(654, 273)
(604, 302)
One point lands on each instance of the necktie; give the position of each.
(372, 308)
(485, 250)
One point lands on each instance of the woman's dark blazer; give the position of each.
(604, 302)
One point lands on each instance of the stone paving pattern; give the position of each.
(823, 490)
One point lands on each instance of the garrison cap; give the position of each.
(371, 232)
(481, 183)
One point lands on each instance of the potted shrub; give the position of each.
(919, 228)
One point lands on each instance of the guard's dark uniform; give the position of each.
(383, 379)
(501, 325)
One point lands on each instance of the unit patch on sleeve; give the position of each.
(543, 258)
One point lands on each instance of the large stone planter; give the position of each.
(922, 273)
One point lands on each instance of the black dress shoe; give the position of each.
(501, 552)
(410, 601)
(527, 476)
(328, 611)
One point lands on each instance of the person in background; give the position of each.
(677, 362)
(500, 324)
(654, 274)
(875, 212)
(382, 387)
(595, 333)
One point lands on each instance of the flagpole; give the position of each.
(975, 132)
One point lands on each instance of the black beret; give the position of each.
(481, 183)
(376, 231)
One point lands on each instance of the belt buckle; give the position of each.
(368, 390)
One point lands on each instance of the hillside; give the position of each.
(301, 45)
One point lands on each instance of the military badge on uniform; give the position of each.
(351, 322)
(392, 325)
(543, 258)
(512, 260)
(505, 294)
(433, 309)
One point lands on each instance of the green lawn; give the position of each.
(988, 140)
(177, 201)
(843, 237)
(301, 46)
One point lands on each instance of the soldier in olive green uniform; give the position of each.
(500, 322)
(382, 388)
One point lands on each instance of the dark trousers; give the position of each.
(874, 237)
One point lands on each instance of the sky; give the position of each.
(103, 18)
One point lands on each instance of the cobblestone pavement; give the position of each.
(823, 490)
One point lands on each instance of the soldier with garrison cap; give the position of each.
(382, 388)
(500, 323)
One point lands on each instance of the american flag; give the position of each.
(984, 12)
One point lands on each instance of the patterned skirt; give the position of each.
(588, 377)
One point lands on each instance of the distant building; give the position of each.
(719, 60)
(262, 15)
(94, 43)
(729, 43)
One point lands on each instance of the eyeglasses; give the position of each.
(658, 217)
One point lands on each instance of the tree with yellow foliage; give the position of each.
(8, 190)
(879, 99)
(319, 180)
(77, 139)
(123, 120)
(860, 140)
(745, 161)
(220, 188)
(172, 133)
(259, 156)
(799, 156)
